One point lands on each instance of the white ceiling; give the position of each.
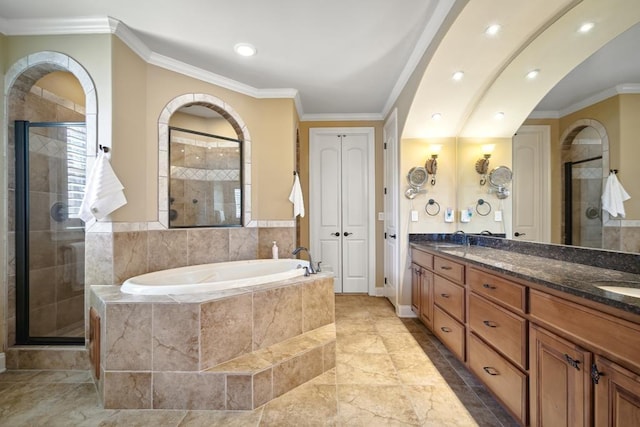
(349, 59)
(343, 57)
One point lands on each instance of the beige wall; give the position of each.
(303, 168)
(629, 172)
(214, 126)
(63, 84)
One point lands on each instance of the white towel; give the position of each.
(103, 192)
(296, 198)
(613, 196)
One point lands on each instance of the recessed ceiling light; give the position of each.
(586, 27)
(436, 116)
(499, 115)
(493, 29)
(533, 74)
(458, 75)
(245, 49)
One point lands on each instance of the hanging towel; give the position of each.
(613, 196)
(103, 192)
(296, 198)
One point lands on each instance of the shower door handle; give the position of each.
(519, 234)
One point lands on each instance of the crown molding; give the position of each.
(342, 117)
(108, 25)
(40, 27)
(624, 88)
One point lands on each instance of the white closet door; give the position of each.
(355, 201)
(341, 208)
(326, 203)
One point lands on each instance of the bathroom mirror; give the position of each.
(499, 178)
(205, 166)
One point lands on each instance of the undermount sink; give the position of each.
(621, 287)
(631, 292)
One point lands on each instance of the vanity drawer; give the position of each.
(449, 331)
(498, 289)
(506, 381)
(615, 337)
(504, 330)
(449, 269)
(449, 297)
(423, 259)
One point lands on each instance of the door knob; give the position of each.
(337, 234)
(519, 234)
(346, 233)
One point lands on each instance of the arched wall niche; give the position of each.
(242, 132)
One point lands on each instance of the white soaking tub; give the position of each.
(214, 277)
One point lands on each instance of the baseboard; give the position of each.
(379, 292)
(405, 311)
(3, 363)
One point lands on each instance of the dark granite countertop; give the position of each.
(559, 273)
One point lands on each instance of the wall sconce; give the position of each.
(431, 165)
(482, 164)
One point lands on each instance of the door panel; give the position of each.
(391, 209)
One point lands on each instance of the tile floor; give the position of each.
(389, 371)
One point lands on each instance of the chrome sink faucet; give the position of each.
(312, 269)
(465, 238)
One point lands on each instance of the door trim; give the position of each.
(370, 131)
(390, 131)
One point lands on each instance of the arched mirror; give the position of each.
(205, 163)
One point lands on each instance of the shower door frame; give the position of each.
(568, 197)
(22, 237)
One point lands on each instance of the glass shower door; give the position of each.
(50, 180)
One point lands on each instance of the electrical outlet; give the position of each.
(497, 216)
(448, 215)
(414, 216)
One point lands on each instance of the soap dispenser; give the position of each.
(274, 250)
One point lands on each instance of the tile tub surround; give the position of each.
(235, 349)
(425, 385)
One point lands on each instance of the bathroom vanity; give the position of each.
(542, 335)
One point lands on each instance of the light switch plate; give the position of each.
(414, 216)
(497, 216)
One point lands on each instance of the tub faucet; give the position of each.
(299, 249)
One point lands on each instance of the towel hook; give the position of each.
(103, 148)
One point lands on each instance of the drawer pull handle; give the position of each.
(446, 267)
(491, 371)
(573, 362)
(444, 295)
(490, 323)
(488, 286)
(445, 329)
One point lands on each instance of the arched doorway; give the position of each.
(51, 130)
(585, 158)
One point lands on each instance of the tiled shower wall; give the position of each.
(113, 257)
(55, 302)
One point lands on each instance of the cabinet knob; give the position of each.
(444, 295)
(571, 361)
(491, 371)
(595, 374)
(445, 267)
(445, 329)
(488, 286)
(490, 324)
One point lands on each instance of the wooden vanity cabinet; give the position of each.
(422, 286)
(560, 381)
(617, 394)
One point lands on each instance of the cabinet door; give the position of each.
(426, 298)
(416, 284)
(560, 381)
(617, 395)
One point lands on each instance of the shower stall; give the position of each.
(50, 174)
(582, 202)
